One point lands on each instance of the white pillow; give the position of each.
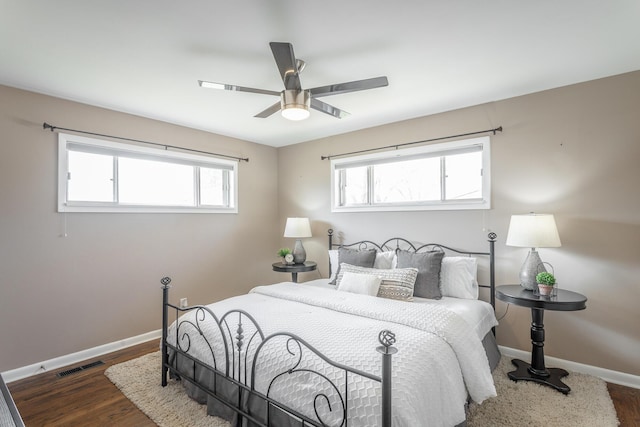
(458, 277)
(334, 263)
(385, 260)
(359, 283)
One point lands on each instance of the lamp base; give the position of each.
(530, 269)
(299, 254)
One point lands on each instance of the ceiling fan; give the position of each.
(295, 101)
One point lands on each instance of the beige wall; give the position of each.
(100, 284)
(573, 152)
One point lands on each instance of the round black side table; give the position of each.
(294, 269)
(562, 301)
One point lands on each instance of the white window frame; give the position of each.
(432, 150)
(67, 142)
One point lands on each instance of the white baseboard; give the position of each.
(608, 375)
(73, 358)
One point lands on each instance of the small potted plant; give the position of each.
(545, 281)
(286, 255)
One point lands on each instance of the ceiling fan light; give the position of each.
(295, 104)
(295, 112)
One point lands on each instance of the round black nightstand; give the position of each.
(562, 301)
(294, 269)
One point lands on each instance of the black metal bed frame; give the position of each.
(240, 354)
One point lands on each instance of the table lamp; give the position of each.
(532, 231)
(298, 228)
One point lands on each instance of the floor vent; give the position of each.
(80, 368)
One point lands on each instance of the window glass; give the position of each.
(463, 176)
(355, 186)
(90, 177)
(147, 182)
(212, 187)
(409, 181)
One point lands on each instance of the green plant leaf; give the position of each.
(545, 278)
(282, 252)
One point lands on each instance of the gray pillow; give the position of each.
(428, 265)
(361, 258)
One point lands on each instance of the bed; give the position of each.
(351, 350)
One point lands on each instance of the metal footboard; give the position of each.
(239, 378)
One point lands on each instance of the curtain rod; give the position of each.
(46, 125)
(498, 129)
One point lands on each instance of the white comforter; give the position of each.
(440, 358)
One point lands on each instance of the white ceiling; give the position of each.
(145, 56)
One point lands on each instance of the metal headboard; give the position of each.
(399, 243)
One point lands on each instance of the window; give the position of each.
(451, 175)
(104, 176)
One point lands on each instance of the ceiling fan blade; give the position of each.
(223, 86)
(287, 64)
(269, 111)
(328, 109)
(353, 86)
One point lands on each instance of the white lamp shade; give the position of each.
(297, 228)
(533, 231)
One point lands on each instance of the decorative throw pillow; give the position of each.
(458, 277)
(428, 265)
(385, 260)
(396, 283)
(362, 258)
(358, 283)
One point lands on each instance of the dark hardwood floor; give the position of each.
(627, 403)
(88, 398)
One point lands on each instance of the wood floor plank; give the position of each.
(88, 398)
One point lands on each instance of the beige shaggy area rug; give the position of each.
(517, 404)
(525, 403)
